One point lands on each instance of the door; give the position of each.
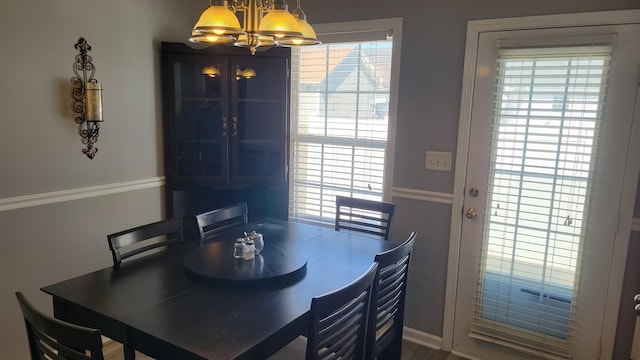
(196, 105)
(552, 113)
(259, 106)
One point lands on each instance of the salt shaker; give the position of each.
(238, 248)
(258, 241)
(248, 250)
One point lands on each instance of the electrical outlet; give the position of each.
(440, 161)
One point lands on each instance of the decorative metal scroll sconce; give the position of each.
(87, 98)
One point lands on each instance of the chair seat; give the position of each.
(380, 332)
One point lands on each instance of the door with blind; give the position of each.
(550, 129)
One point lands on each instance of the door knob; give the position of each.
(472, 213)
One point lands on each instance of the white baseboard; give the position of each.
(422, 338)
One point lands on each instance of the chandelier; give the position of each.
(253, 24)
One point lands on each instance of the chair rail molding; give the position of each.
(423, 195)
(53, 197)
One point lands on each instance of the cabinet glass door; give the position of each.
(199, 132)
(258, 121)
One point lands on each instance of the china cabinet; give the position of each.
(226, 129)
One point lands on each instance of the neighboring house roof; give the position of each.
(341, 64)
(317, 67)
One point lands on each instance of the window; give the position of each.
(340, 122)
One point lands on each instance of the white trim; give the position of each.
(395, 25)
(474, 28)
(625, 226)
(430, 341)
(53, 197)
(556, 21)
(422, 338)
(430, 196)
(460, 175)
(465, 356)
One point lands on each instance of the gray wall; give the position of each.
(40, 148)
(429, 100)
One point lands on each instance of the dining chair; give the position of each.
(386, 319)
(366, 216)
(50, 338)
(213, 222)
(338, 323)
(130, 242)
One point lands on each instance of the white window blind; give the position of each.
(547, 110)
(340, 117)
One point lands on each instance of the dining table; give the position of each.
(196, 301)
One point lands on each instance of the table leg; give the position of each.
(129, 352)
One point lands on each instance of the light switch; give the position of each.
(440, 161)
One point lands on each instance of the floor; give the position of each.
(413, 351)
(113, 351)
(410, 351)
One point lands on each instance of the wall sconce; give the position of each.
(87, 98)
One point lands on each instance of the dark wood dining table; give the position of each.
(158, 307)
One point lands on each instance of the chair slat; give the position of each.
(390, 289)
(58, 340)
(127, 243)
(388, 297)
(365, 216)
(213, 222)
(339, 320)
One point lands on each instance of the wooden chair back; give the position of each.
(50, 338)
(366, 216)
(216, 221)
(143, 238)
(386, 319)
(339, 319)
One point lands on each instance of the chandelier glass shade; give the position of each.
(253, 24)
(211, 71)
(308, 34)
